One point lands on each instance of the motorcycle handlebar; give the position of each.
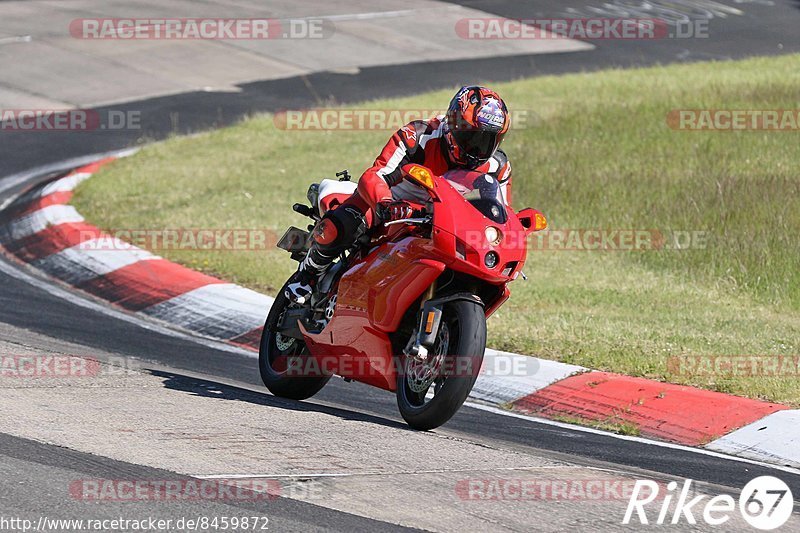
(422, 220)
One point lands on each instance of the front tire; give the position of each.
(281, 359)
(459, 349)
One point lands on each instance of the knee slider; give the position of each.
(325, 233)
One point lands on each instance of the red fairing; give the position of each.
(383, 284)
(372, 298)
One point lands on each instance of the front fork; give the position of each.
(428, 326)
(431, 318)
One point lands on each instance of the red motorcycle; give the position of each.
(405, 309)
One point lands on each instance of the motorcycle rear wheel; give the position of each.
(282, 360)
(459, 347)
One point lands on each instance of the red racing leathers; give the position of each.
(419, 142)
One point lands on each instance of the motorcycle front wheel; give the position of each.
(430, 392)
(283, 360)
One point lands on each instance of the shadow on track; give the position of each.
(211, 389)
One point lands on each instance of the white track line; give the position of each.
(91, 259)
(86, 303)
(506, 377)
(14, 180)
(773, 437)
(65, 184)
(383, 473)
(670, 445)
(221, 310)
(16, 39)
(73, 297)
(33, 223)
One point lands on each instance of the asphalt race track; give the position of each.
(37, 466)
(34, 318)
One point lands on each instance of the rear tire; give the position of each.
(274, 362)
(464, 326)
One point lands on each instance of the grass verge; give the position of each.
(600, 156)
(612, 425)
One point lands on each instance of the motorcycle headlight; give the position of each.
(493, 235)
(491, 260)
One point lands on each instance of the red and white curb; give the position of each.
(41, 229)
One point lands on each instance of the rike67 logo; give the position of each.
(765, 503)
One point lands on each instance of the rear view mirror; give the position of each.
(532, 220)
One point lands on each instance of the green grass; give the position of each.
(613, 425)
(600, 156)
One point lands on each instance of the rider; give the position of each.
(467, 137)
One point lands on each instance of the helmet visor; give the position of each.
(478, 144)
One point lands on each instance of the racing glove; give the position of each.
(390, 210)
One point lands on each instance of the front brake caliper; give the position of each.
(427, 330)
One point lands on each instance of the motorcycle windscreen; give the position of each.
(482, 191)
